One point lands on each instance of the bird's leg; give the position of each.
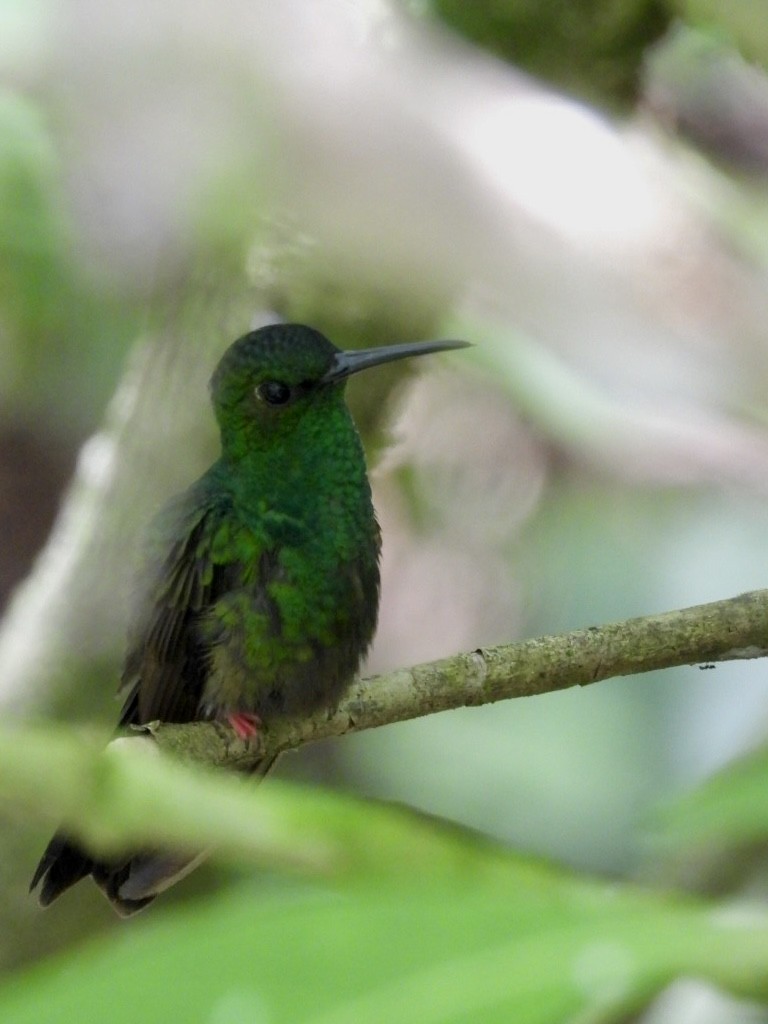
(246, 725)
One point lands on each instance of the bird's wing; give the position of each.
(166, 660)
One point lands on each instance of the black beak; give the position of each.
(346, 363)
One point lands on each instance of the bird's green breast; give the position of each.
(297, 547)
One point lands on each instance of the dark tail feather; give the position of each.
(129, 883)
(61, 866)
(129, 886)
(110, 879)
(64, 864)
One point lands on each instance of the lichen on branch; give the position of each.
(732, 629)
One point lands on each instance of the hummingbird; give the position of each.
(260, 593)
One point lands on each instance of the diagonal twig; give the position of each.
(731, 629)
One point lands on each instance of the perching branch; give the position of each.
(727, 630)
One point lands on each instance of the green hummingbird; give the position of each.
(261, 592)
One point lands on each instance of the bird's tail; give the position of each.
(129, 883)
(61, 866)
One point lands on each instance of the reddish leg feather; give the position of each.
(245, 725)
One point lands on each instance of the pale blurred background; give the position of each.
(580, 190)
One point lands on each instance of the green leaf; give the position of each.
(32, 233)
(128, 795)
(407, 954)
(731, 808)
(409, 920)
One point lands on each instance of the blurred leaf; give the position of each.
(592, 48)
(427, 921)
(128, 794)
(54, 325)
(743, 21)
(31, 232)
(540, 954)
(729, 808)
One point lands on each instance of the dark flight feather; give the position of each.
(163, 678)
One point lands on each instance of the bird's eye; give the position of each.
(273, 392)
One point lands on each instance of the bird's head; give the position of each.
(267, 380)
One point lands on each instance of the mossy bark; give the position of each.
(732, 629)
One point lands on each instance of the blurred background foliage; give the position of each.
(578, 189)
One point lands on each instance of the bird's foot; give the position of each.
(246, 725)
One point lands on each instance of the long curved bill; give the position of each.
(346, 363)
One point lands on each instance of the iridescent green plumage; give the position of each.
(262, 587)
(270, 584)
